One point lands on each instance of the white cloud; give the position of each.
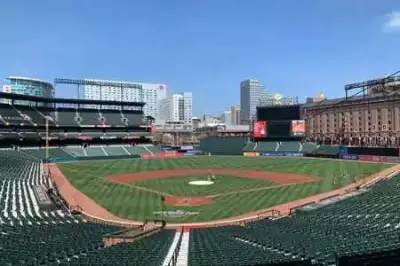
(392, 22)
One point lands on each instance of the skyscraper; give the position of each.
(226, 117)
(177, 108)
(251, 92)
(235, 115)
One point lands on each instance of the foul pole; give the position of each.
(47, 140)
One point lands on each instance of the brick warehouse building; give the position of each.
(370, 119)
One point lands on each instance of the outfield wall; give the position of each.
(274, 154)
(352, 157)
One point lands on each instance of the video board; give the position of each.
(260, 129)
(276, 129)
(298, 128)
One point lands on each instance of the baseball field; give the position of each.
(210, 187)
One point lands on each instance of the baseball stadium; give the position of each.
(82, 182)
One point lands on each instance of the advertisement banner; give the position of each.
(160, 155)
(190, 153)
(272, 154)
(349, 157)
(289, 154)
(392, 159)
(251, 154)
(260, 129)
(371, 158)
(187, 148)
(298, 128)
(294, 154)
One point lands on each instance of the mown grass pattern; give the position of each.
(132, 203)
(180, 186)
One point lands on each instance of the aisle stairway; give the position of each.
(172, 248)
(183, 255)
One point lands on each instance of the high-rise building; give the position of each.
(176, 108)
(235, 115)
(149, 93)
(226, 117)
(29, 86)
(251, 92)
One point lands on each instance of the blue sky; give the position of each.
(297, 48)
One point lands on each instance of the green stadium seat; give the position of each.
(289, 146)
(223, 146)
(266, 146)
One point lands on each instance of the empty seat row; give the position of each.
(26, 115)
(354, 227)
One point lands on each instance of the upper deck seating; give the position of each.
(114, 118)
(134, 118)
(32, 115)
(9, 115)
(66, 117)
(89, 117)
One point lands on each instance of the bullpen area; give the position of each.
(208, 188)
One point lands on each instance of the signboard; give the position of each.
(160, 155)
(371, 158)
(251, 154)
(289, 154)
(191, 153)
(187, 148)
(298, 128)
(392, 159)
(349, 157)
(260, 129)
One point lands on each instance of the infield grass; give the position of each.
(131, 202)
(179, 186)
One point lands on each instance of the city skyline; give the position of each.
(311, 47)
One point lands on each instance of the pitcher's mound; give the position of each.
(187, 201)
(201, 182)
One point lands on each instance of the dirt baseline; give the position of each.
(276, 177)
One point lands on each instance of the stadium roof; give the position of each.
(14, 96)
(30, 79)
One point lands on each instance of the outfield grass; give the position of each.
(132, 203)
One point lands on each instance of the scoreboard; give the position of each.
(278, 113)
(291, 128)
(279, 121)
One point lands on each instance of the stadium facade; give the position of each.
(372, 118)
(29, 86)
(149, 93)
